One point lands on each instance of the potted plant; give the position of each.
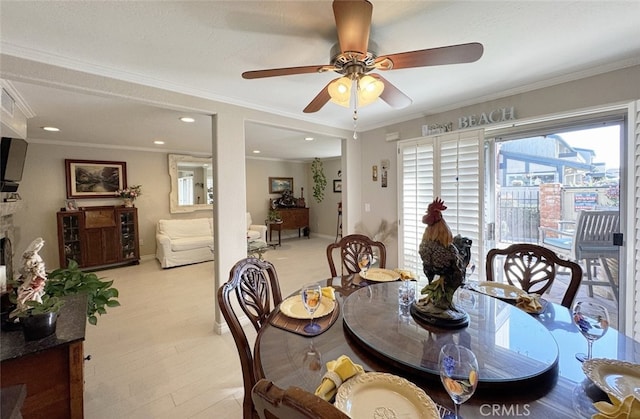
(39, 318)
(71, 280)
(274, 215)
(129, 194)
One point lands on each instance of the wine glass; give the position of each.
(364, 262)
(311, 295)
(593, 321)
(458, 373)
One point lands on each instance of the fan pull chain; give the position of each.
(355, 107)
(355, 124)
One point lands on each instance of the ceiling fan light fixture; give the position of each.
(340, 91)
(369, 89)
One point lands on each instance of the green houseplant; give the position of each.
(71, 280)
(39, 319)
(319, 180)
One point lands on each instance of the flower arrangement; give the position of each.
(131, 192)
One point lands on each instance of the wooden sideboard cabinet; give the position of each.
(99, 236)
(295, 218)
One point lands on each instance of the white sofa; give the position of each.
(182, 242)
(255, 231)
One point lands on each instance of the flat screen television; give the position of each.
(13, 153)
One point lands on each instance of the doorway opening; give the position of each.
(556, 188)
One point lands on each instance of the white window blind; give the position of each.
(635, 278)
(451, 167)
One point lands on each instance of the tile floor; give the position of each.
(157, 355)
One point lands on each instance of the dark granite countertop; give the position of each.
(72, 321)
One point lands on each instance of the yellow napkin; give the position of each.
(405, 274)
(329, 292)
(338, 371)
(629, 408)
(529, 303)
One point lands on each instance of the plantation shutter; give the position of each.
(634, 278)
(451, 167)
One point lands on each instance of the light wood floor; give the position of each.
(157, 356)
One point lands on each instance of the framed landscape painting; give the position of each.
(280, 184)
(95, 178)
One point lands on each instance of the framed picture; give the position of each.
(280, 184)
(94, 178)
(70, 205)
(337, 185)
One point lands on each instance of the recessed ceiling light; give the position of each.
(158, 142)
(52, 129)
(308, 138)
(187, 119)
(256, 151)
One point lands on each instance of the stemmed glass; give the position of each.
(458, 373)
(311, 295)
(364, 262)
(593, 321)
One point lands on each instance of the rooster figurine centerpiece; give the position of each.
(445, 258)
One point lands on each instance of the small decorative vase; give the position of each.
(128, 202)
(39, 326)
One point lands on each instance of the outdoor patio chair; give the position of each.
(591, 241)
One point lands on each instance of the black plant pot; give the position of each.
(39, 326)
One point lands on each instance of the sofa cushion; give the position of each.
(178, 245)
(179, 229)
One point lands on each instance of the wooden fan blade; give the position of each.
(353, 23)
(453, 54)
(392, 95)
(319, 101)
(274, 72)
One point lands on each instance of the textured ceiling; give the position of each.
(201, 48)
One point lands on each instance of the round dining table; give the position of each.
(527, 364)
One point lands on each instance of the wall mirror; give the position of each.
(191, 183)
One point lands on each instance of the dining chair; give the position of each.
(534, 268)
(272, 402)
(255, 285)
(350, 247)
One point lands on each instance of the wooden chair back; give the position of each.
(254, 282)
(272, 402)
(534, 268)
(350, 247)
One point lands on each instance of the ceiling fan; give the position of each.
(355, 56)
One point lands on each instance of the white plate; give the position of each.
(294, 308)
(376, 394)
(618, 378)
(381, 275)
(499, 290)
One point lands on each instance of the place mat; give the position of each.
(282, 321)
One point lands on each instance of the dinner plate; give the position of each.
(618, 378)
(294, 307)
(381, 275)
(376, 394)
(499, 290)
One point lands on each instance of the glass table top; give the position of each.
(510, 344)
